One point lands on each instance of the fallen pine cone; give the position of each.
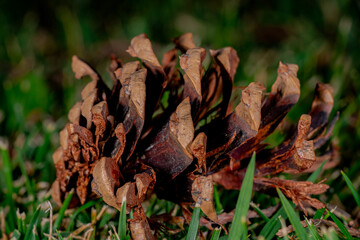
(175, 132)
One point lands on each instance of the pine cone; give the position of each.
(175, 132)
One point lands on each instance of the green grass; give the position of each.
(314, 234)
(122, 222)
(31, 228)
(293, 217)
(340, 226)
(273, 225)
(194, 224)
(59, 235)
(239, 226)
(7, 173)
(350, 185)
(216, 234)
(62, 210)
(316, 173)
(77, 212)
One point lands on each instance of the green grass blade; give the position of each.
(340, 225)
(7, 169)
(258, 210)
(315, 175)
(16, 235)
(354, 192)
(194, 224)
(271, 227)
(59, 235)
(319, 213)
(218, 205)
(239, 227)
(215, 234)
(79, 210)
(313, 230)
(62, 210)
(20, 218)
(29, 232)
(122, 222)
(294, 219)
(24, 173)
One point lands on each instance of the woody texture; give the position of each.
(177, 128)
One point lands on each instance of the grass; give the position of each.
(122, 222)
(38, 88)
(194, 224)
(340, 226)
(239, 225)
(31, 228)
(216, 234)
(273, 225)
(293, 217)
(7, 173)
(62, 210)
(314, 234)
(354, 191)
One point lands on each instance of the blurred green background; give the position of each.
(38, 38)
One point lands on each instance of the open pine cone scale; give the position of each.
(175, 132)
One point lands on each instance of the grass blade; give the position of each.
(354, 192)
(16, 235)
(29, 232)
(273, 225)
(79, 210)
(59, 235)
(294, 219)
(194, 224)
(20, 218)
(258, 210)
(340, 225)
(316, 173)
(122, 222)
(218, 205)
(24, 173)
(319, 213)
(7, 169)
(62, 211)
(313, 230)
(216, 234)
(239, 227)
